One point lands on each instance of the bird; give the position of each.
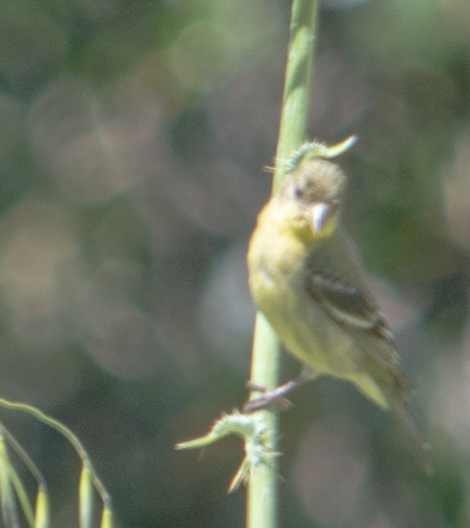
(307, 279)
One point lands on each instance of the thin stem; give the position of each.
(67, 433)
(299, 70)
(262, 487)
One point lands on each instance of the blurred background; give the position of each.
(133, 136)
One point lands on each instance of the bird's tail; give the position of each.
(399, 405)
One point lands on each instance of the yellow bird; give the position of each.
(305, 277)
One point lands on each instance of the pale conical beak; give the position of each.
(320, 214)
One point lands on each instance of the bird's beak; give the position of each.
(320, 214)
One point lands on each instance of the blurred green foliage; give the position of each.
(132, 141)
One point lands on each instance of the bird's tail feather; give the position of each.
(401, 409)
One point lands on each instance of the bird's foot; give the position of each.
(271, 396)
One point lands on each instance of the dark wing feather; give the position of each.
(335, 282)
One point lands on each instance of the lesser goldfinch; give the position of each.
(306, 279)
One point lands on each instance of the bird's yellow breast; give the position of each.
(276, 255)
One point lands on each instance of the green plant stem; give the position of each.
(298, 81)
(262, 487)
(67, 433)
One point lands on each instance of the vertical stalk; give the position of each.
(298, 81)
(262, 487)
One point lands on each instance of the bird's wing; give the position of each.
(337, 286)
